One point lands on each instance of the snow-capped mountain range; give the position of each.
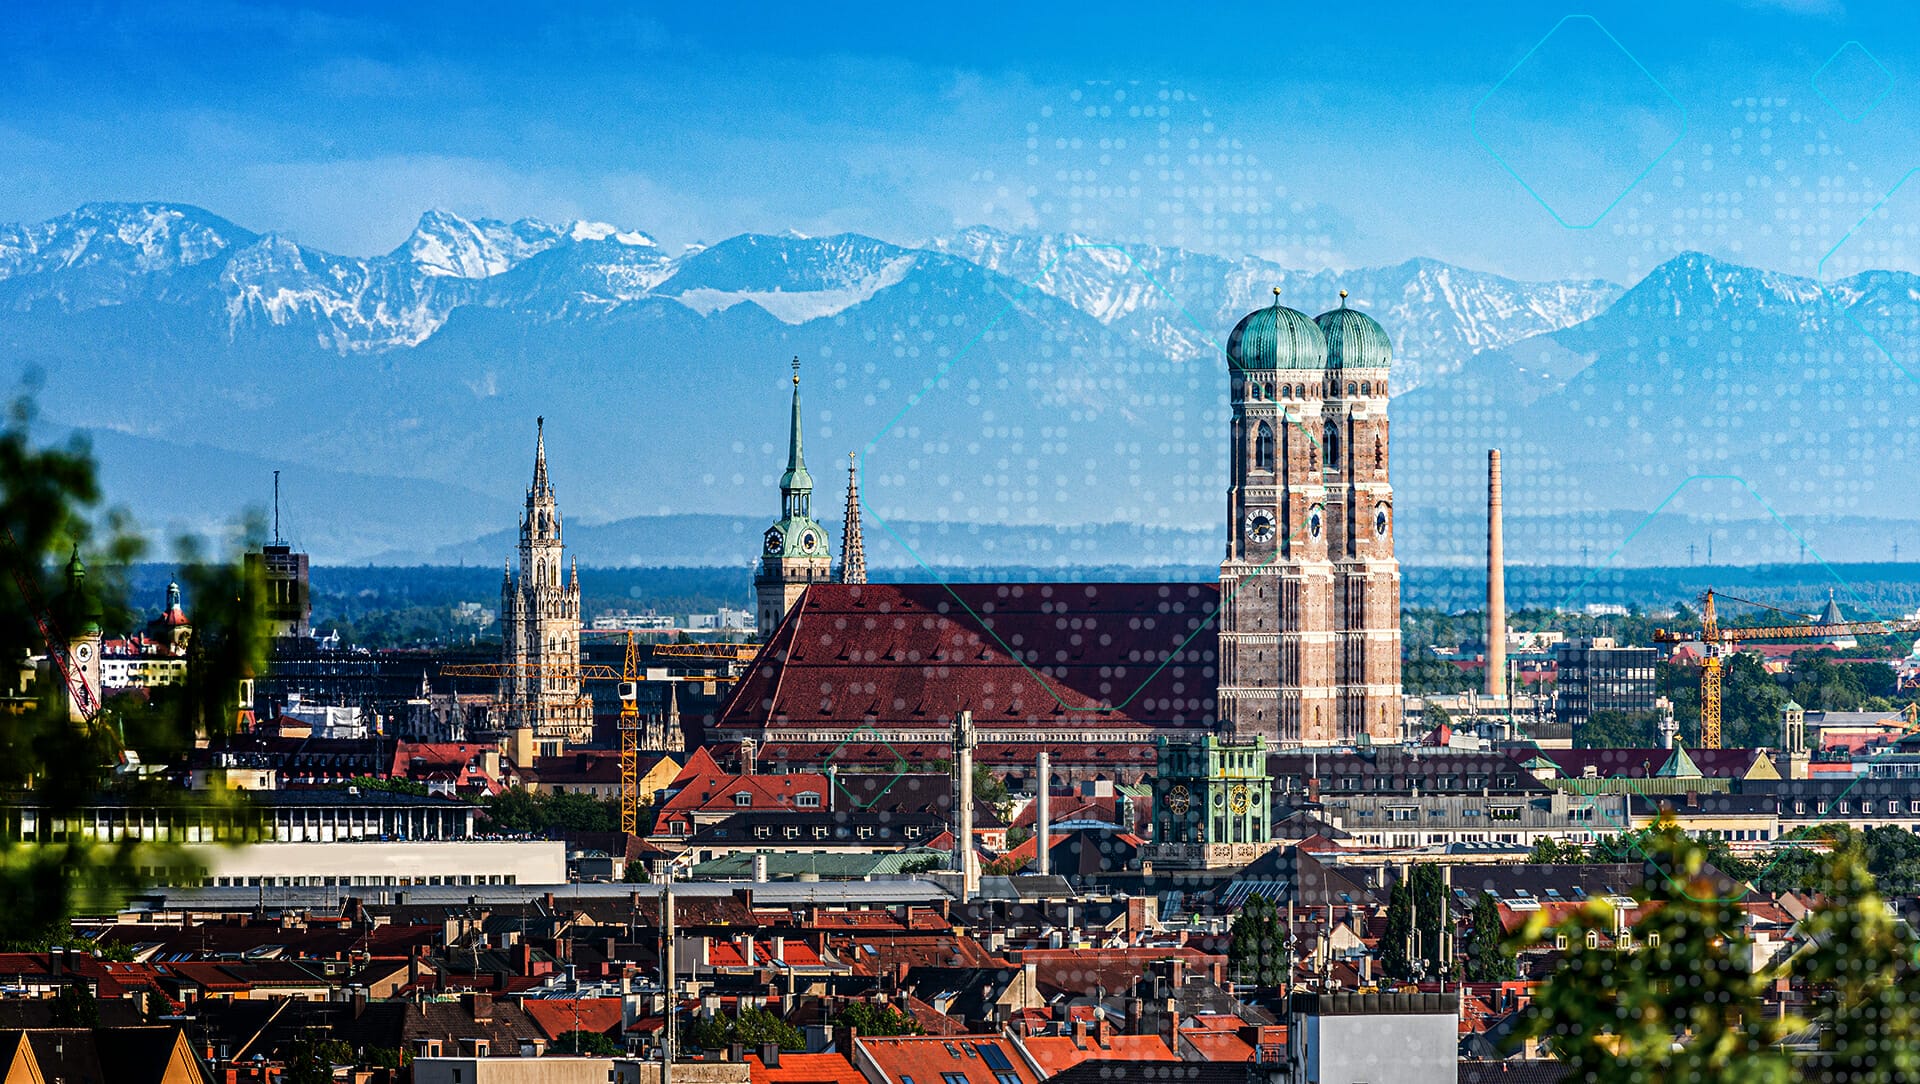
(1175, 303)
(985, 378)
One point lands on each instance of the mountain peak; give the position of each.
(446, 245)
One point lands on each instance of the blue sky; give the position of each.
(1317, 134)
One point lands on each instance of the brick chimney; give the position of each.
(479, 1006)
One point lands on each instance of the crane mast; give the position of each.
(1718, 642)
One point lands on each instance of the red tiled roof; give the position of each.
(1016, 655)
(557, 1016)
(805, 1069)
(1218, 1045)
(699, 764)
(1058, 1053)
(932, 1058)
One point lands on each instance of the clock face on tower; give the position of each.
(774, 539)
(1240, 800)
(809, 541)
(1380, 521)
(1313, 523)
(1260, 525)
(1179, 800)
(83, 652)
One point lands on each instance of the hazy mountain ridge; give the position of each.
(1095, 400)
(99, 254)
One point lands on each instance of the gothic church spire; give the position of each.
(853, 553)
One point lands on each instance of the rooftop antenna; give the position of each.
(276, 508)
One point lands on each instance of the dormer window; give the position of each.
(807, 799)
(743, 798)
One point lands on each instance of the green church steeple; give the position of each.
(796, 486)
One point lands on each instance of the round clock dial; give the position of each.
(809, 541)
(1380, 521)
(1260, 525)
(1240, 799)
(1179, 800)
(83, 652)
(774, 539)
(1313, 523)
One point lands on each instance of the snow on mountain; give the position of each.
(1167, 303)
(446, 244)
(1181, 304)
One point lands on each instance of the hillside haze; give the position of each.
(993, 382)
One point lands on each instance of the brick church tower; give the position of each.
(1310, 590)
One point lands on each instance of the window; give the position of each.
(743, 798)
(1653, 940)
(1263, 447)
(1332, 449)
(1560, 940)
(954, 1078)
(1593, 938)
(807, 799)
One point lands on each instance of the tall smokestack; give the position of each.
(1042, 819)
(1496, 584)
(963, 767)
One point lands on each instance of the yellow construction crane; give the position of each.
(629, 688)
(1718, 642)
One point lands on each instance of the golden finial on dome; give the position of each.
(1343, 299)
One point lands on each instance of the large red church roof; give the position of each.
(1016, 655)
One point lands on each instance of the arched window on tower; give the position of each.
(1263, 447)
(1366, 387)
(1332, 449)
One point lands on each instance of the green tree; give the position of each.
(590, 1043)
(1620, 730)
(76, 1007)
(49, 498)
(870, 1018)
(1858, 963)
(1550, 852)
(574, 812)
(1433, 717)
(1489, 959)
(311, 1058)
(514, 811)
(1433, 916)
(1257, 950)
(757, 1027)
(1684, 1007)
(1396, 957)
(707, 1032)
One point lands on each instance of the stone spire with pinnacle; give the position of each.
(853, 553)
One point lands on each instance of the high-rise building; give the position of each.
(1310, 589)
(795, 550)
(283, 575)
(541, 701)
(1595, 674)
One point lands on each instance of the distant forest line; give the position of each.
(378, 606)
